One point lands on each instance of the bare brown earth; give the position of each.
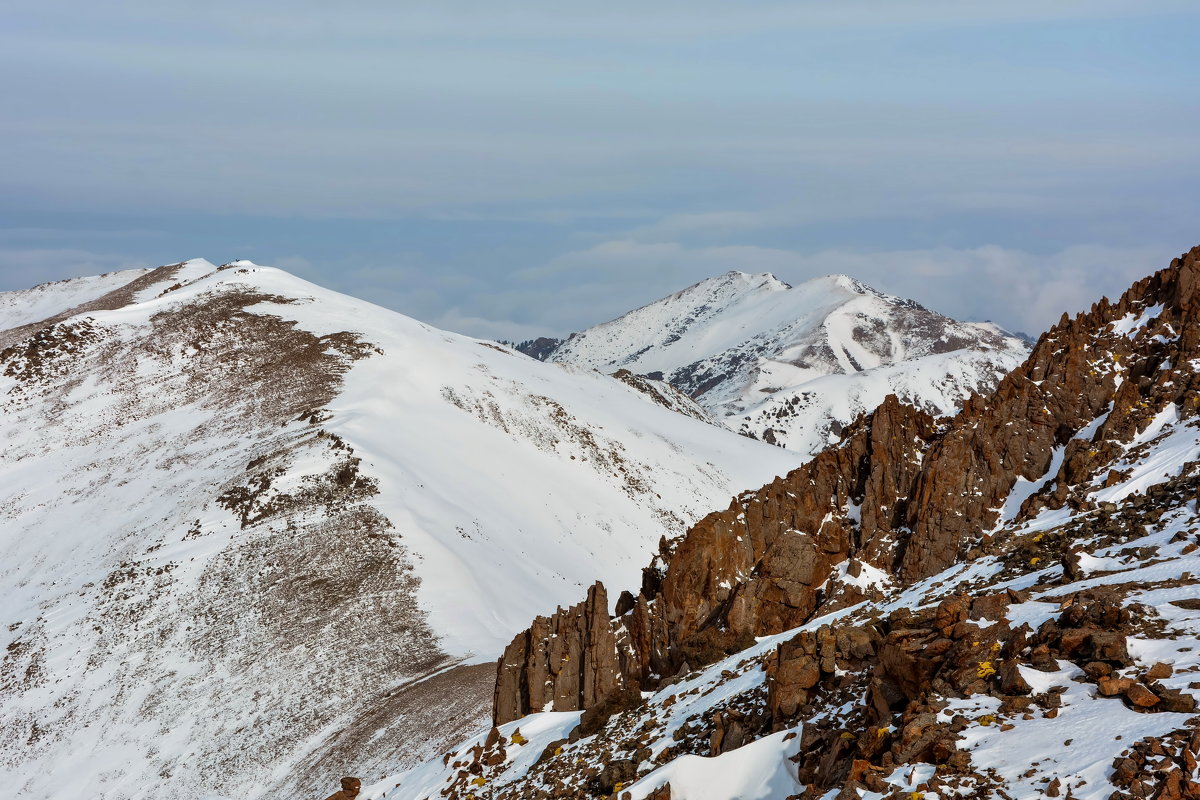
(394, 725)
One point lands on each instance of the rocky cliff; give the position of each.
(901, 498)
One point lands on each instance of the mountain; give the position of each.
(540, 348)
(794, 365)
(1002, 604)
(251, 530)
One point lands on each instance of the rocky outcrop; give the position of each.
(540, 348)
(902, 497)
(564, 662)
(1129, 358)
(753, 569)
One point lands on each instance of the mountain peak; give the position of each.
(733, 280)
(748, 347)
(236, 490)
(932, 606)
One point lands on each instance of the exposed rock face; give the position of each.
(751, 570)
(1077, 370)
(540, 348)
(901, 498)
(563, 662)
(664, 394)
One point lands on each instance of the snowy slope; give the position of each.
(247, 524)
(1065, 727)
(1027, 628)
(793, 365)
(25, 306)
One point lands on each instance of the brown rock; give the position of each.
(568, 661)
(950, 612)
(1124, 771)
(795, 669)
(1140, 696)
(990, 606)
(755, 568)
(1109, 646)
(1111, 686)
(1011, 681)
(1174, 700)
(1159, 671)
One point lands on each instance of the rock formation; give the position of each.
(902, 497)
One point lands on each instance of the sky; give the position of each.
(512, 170)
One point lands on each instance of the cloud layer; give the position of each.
(538, 167)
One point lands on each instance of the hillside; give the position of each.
(794, 365)
(1004, 604)
(250, 526)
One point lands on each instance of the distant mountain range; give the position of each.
(794, 365)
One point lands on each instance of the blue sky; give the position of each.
(537, 167)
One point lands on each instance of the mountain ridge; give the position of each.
(230, 489)
(794, 365)
(916, 593)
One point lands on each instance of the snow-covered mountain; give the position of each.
(795, 365)
(254, 534)
(1005, 604)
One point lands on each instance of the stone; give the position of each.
(661, 793)
(1159, 671)
(1114, 686)
(615, 773)
(990, 606)
(1011, 680)
(1174, 700)
(950, 612)
(1140, 696)
(569, 661)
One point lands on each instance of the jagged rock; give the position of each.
(1011, 681)
(990, 606)
(950, 612)
(1072, 570)
(1140, 696)
(905, 494)
(615, 773)
(794, 670)
(1174, 700)
(731, 730)
(1113, 686)
(1159, 671)
(565, 662)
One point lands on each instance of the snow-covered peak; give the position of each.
(793, 364)
(226, 488)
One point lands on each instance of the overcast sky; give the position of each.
(529, 168)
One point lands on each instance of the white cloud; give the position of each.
(24, 267)
(454, 319)
(1019, 289)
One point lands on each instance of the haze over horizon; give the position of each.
(514, 172)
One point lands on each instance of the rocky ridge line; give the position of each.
(901, 498)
